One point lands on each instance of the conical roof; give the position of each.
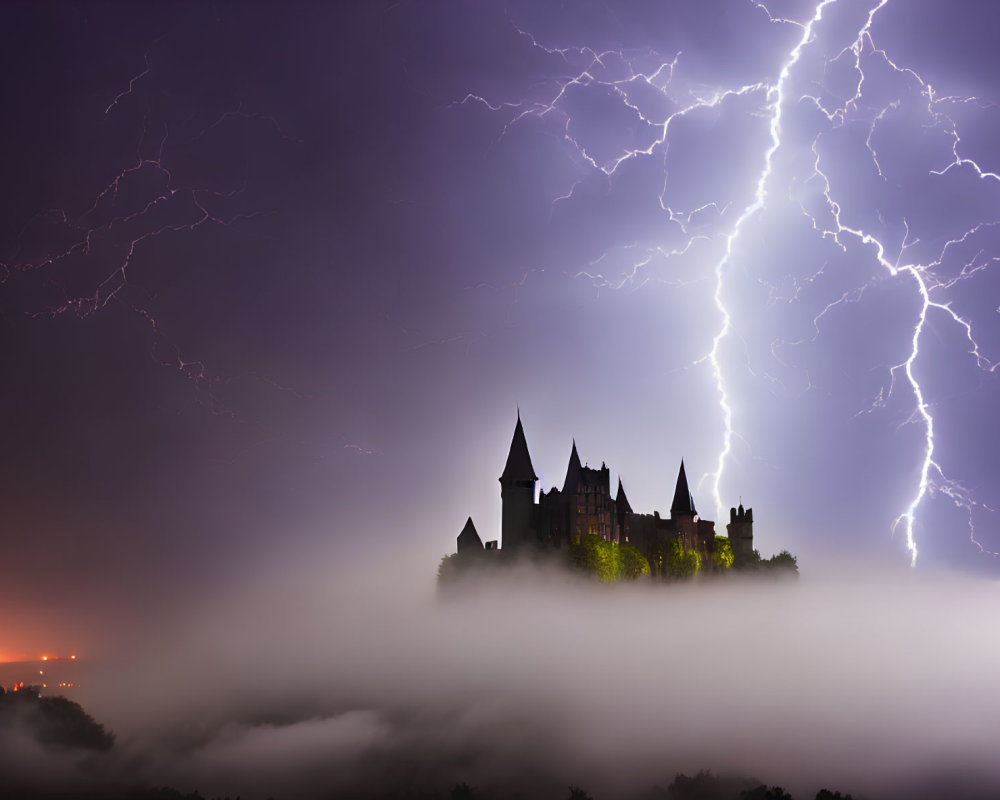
(518, 466)
(572, 470)
(621, 501)
(683, 504)
(469, 539)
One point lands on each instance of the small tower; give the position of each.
(468, 539)
(623, 512)
(740, 532)
(517, 492)
(573, 471)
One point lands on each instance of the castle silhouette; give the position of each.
(584, 506)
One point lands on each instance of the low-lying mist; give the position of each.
(369, 682)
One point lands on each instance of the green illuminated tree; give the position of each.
(674, 561)
(595, 556)
(633, 564)
(608, 561)
(722, 557)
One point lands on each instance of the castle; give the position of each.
(585, 506)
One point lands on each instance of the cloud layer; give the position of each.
(534, 681)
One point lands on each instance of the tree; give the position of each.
(706, 786)
(751, 563)
(722, 556)
(576, 793)
(449, 569)
(764, 793)
(54, 720)
(462, 791)
(674, 561)
(595, 556)
(784, 562)
(606, 560)
(633, 564)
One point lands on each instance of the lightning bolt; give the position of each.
(931, 478)
(612, 71)
(776, 100)
(79, 263)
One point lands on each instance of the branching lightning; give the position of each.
(142, 202)
(931, 477)
(113, 234)
(776, 99)
(927, 282)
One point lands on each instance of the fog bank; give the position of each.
(532, 680)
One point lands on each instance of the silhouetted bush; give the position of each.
(765, 793)
(53, 720)
(783, 565)
(463, 791)
(706, 786)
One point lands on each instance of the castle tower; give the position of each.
(740, 532)
(587, 495)
(623, 511)
(517, 492)
(573, 471)
(684, 516)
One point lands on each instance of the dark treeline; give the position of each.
(60, 727)
(703, 786)
(53, 721)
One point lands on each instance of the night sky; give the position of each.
(275, 279)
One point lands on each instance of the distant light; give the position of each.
(73, 657)
(45, 658)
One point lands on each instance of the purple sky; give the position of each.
(276, 277)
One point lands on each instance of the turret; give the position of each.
(517, 492)
(740, 532)
(623, 511)
(621, 501)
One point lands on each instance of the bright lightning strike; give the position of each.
(856, 100)
(776, 98)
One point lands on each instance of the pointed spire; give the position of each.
(518, 467)
(621, 501)
(683, 504)
(469, 539)
(573, 470)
